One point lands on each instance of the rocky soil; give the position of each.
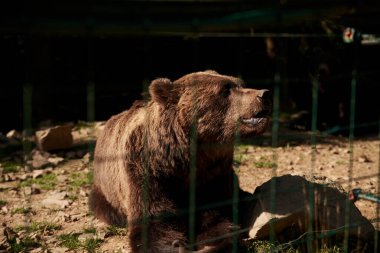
(43, 196)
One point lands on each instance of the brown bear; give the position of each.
(164, 167)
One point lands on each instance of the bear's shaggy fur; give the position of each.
(164, 167)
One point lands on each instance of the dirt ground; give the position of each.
(45, 209)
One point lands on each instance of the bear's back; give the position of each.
(111, 149)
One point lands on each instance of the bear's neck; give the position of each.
(167, 143)
(174, 150)
(214, 160)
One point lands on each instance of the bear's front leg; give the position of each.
(216, 233)
(156, 237)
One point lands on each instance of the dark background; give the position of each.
(52, 53)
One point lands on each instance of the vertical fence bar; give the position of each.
(145, 181)
(351, 160)
(235, 205)
(91, 111)
(314, 129)
(235, 209)
(193, 180)
(90, 101)
(235, 183)
(27, 118)
(275, 128)
(377, 227)
(236, 187)
(146, 217)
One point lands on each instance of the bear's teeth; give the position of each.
(252, 121)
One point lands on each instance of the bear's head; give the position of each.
(218, 105)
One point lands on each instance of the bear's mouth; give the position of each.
(256, 119)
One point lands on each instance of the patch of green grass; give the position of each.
(38, 227)
(239, 154)
(90, 230)
(72, 197)
(3, 203)
(78, 179)
(114, 230)
(332, 249)
(261, 247)
(21, 210)
(9, 167)
(90, 245)
(265, 163)
(341, 162)
(70, 241)
(46, 182)
(266, 246)
(84, 124)
(23, 245)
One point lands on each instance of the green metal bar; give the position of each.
(235, 193)
(193, 179)
(91, 101)
(376, 237)
(314, 130)
(145, 183)
(351, 160)
(27, 118)
(235, 212)
(275, 127)
(91, 110)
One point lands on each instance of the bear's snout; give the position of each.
(265, 98)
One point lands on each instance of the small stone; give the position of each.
(39, 159)
(62, 178)
(81, 153)
(37, 250)
(10, 234)
(4, 210)
(70, 155)
(58, 137)
(55, 160)
(58, 194)
(28, 190)
(364, 159)
(39, 173)
(9, 177)
(101, 235)
(76, 217)
(62, 217)
(13, 134)
(87, 236)
(23, 176)
(83, 193)
(55, 203)
(56, 200)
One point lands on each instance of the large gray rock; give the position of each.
(283, 209)
(58, 137)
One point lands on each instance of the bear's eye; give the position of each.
(226, 90)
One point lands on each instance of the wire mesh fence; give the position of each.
(311, 237)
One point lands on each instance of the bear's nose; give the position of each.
(264, 95)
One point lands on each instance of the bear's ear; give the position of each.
(161, 91)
